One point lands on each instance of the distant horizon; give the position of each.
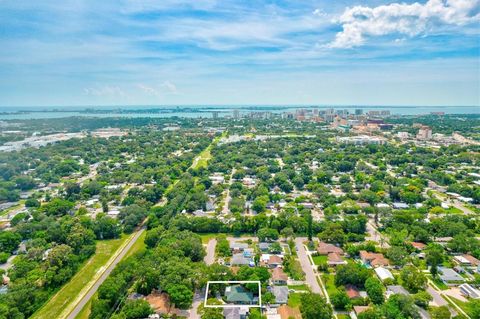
(242, 105)
(212, 52)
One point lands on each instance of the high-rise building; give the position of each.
(424, 133)
(236, 114)
(358, 111)
(215, 114)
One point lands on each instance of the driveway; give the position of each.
(310, 277)
(210, 257)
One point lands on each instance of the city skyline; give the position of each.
(226, 52)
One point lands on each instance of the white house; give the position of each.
(383, 273)
(469, 291)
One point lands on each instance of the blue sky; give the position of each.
(72, 52)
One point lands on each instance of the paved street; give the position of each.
(437, 298)
(210, 257)
(375, 235)
(450, 201)
(84, 300)
(198, 299)
(310, 277)
(226, 202)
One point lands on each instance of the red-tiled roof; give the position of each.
(325, 249)
(375, 259)
(417, 245)
(352, 292)
(474, 261)
(279, 274)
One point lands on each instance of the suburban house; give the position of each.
(274, 261)
(325, 249)
(281, 294)
(334, 259)
(449, 276)
(248, 252)
(235, 313)
(279, 277)
(383, 274)
(270, 261)
(238, 247)
(358, 310)
(264, 246)
(418, 246)
(467, 260)
(373, 259)
(239, 295)
(470, 292)
(400, 206)
(354, 293)
(396, 290)
(241, 260)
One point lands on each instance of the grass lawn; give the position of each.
(438, 283)
(54, 307)
(321, 259)
(294, 299)
(202, 159)
(14, 207)
(206, 237)
(343, 316)
(86, 310)
(463, 305)
(329, 281)
(454, 210)
(299, 287)
(140, 244)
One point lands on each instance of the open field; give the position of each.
(105, 250)
(202, 159)
(139, 245)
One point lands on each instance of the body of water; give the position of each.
(12, 113)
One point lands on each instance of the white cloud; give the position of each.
(170, 87)
(413, 19)
(148, 89)
(106, 91)
(165, 88)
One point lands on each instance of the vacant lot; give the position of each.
(54, 307)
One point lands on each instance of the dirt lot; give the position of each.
(287, 312)
(161, 304)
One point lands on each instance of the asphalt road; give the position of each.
(198, 299)
(437, 298)
(210, 257)
(310, 277)
(375, 235)
(104, 276)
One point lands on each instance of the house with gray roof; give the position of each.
(235, 313)
(397, 290)
(240, 260)
(234, 246)
(281, 294)
(449, 276)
